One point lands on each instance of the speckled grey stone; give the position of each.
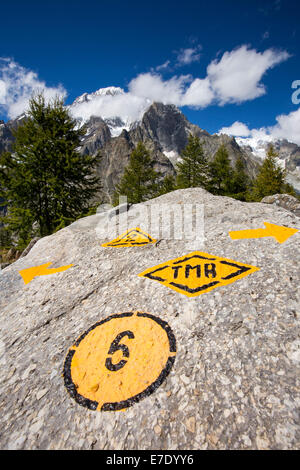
(235, 380)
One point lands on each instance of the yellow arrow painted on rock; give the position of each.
(277, 231)
(30, 273)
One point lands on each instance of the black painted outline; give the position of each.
(241, 269)
(115, 406)
(197, 289)
(156, 278)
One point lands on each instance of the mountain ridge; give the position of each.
(164, 130)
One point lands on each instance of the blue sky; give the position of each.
(87, 45)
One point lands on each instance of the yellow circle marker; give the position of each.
(119, 361)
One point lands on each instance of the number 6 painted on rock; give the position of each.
(117, 346)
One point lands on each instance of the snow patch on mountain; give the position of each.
(172, 155)
(258, 144)
(119, 109)
(108, 91)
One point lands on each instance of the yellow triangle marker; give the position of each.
(281, 234)
(132, 237)
(30, 273)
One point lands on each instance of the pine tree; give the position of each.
(47, 182)
(167, 185)
(240, 181)
(5, 235)
(270, 179)
(221, 173)
(139, 181)
(192, 170)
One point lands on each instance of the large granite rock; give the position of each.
(235, 381)
(286, 201)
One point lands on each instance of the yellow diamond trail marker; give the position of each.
(119, 361)
(197, 273)
(132, 237)
(30, 273)
(281, 234)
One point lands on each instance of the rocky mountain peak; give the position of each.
(164, 129)
(108, 91)
(166, 124)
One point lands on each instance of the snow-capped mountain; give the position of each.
(288, 154)
(114, 127)
(258, 146)
(108, 91)
(114, 107)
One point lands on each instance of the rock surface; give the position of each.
(286, 201)
(235, 380)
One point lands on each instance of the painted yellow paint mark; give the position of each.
(30, 273)
(119, 361)
(132, 237)
(197, 273)
(280, 233)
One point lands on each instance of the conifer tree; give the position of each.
(192, 170)
(167, 185)
(221, 173)
(270, 179)
(240, 181)
(46, 183)
(5, 235)
(139, 181)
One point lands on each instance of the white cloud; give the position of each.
(143, 90)
(199, 94)
(127, 106)
(287, 127)
(189, 55)
(236, 77)
(237, 129)
(163, 66)
(17, 85)
(2, 92)
(152, 86)
(181, 91)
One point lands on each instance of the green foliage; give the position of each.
(192, 170)
(139, 181)
(5, 237)
(167, 185)
(241, 183)
(221, 174)
(46, 183)
(270, 179)
(288, 189)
